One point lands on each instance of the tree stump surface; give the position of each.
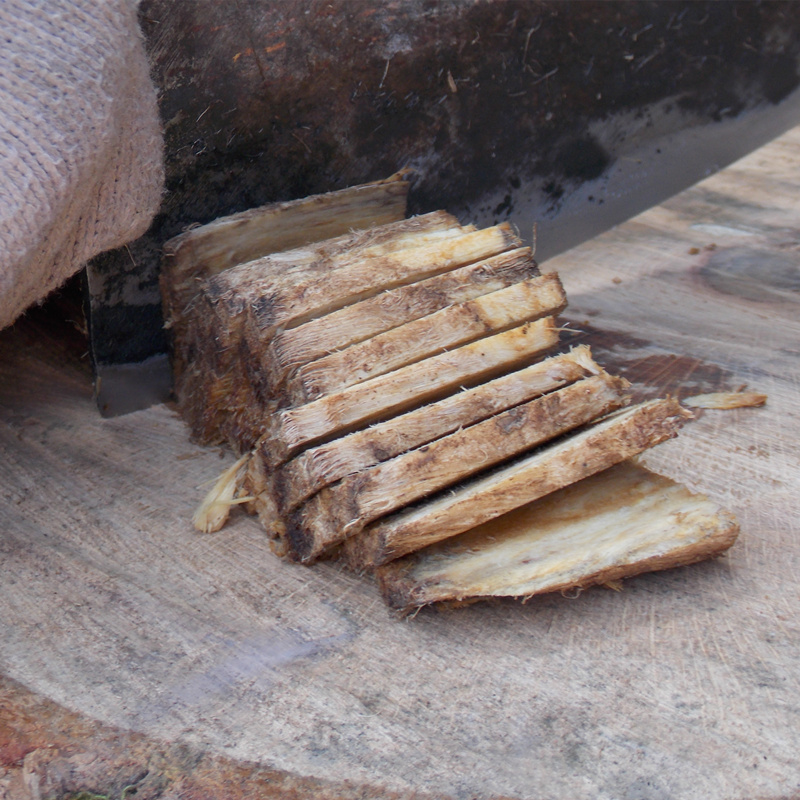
(682, 685)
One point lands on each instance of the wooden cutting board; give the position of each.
(684, 684)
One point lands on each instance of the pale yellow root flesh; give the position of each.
(326, 463)
(407, 387)
(726, 400)
(213, 512)
(617, 523)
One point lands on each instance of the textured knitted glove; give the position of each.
(81, 166)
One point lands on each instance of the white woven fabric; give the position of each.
(81, 167)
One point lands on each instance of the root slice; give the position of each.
(213, 512)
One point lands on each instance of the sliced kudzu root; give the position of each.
(361, 321)
(320, 466)
(344, 508)
(613, 525)
(450, 327)
(413, 327)
(258, 285)
(290, 301)
(203, 251)
(209, 351)
(570, 459)
(288, 431)
(209, 249)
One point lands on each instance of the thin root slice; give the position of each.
(213, 512)
(610, 526)
(726, 400)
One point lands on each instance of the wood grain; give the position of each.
(683, 685)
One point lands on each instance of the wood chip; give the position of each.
(213, 512)
(726, 400)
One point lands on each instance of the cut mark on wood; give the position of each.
(656, 374)
(754, 274)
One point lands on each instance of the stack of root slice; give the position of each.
(393, 385)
